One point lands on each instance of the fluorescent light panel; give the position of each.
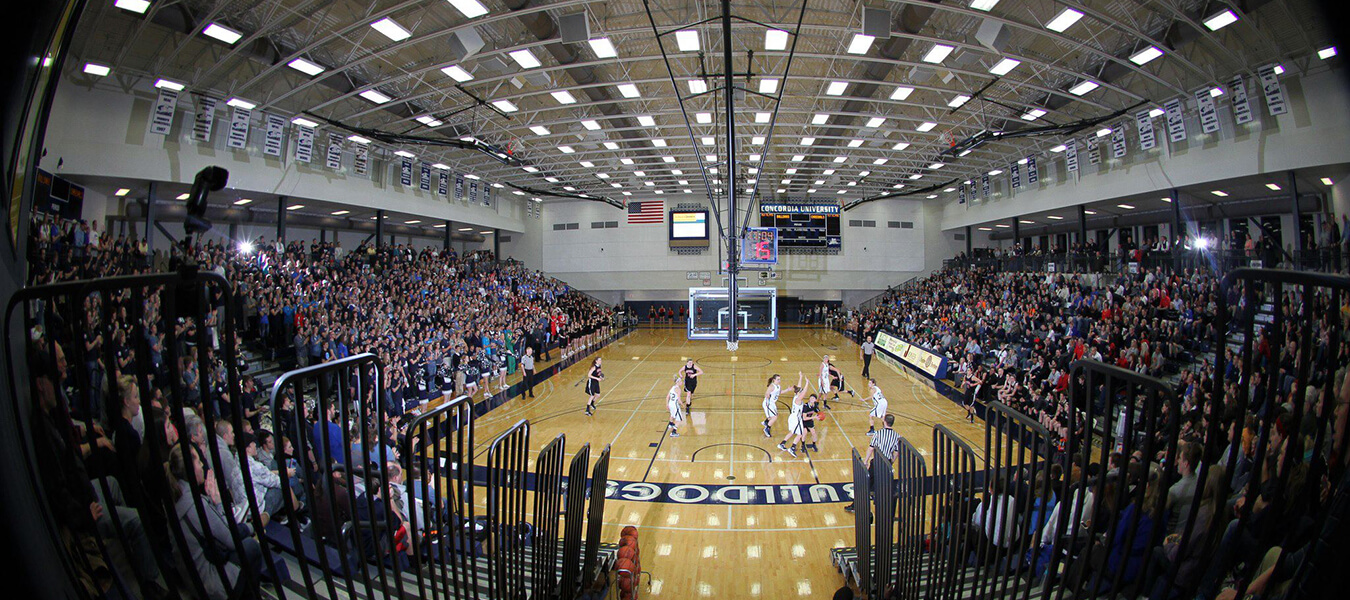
(860, 43)
(629, 90)
(1004, 66)
(375, 96)
(457, 73)
(391, 30)
(1220, 20)
(836, 88)
(901, 92)
(1146, 55)
(97, 70)
(768, 85)
(1083, 87)
(937, 54)
(603, 48)
(524, 58)
(540, 130)
(305, 67)
(137, 6)
(505, 105)
(775, 39)
(168, 84)
(1064, 20)
(222, 33)
(687, 40)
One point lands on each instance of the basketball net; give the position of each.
(733, 346)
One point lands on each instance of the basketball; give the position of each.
(628, 552)
(629, 531)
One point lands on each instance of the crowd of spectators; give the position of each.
(107, 365)
(1012, 337)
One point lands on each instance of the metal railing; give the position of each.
(1138, 492)
(356, 504)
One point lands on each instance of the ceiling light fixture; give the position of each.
(629, 90)
(603, 48)
(697, 86)
(305, 67)
(775, 39)
(358, 139)
(457, 73)
(646, 121)
(590, 124)
(524, 58)
(97, 70)
(563, 97)
(540, 130)
(687, 40)
(875, 122)
(836, 88)
(1083, 87)
(170, 85)
(391, 30)
(860, 43)
(505, 105)
(1326, 53)
(137, 6)
(901, 92)
(222, 33)
(1064, 20)
(375, 96)
(303, 122)
(938, 53)
(926, 126)
(1033, 114)
(1004, 66)
(768, 85)
(1220, 20)
(1146, 55)
(959, 101)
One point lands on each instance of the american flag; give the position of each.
(649, 211)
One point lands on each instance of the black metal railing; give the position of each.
(1142, 491)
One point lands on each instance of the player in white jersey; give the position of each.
(879, 404)
(673, 405)
(831, 382)
(771, 403)
(795, 427)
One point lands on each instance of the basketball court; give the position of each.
(721, 494)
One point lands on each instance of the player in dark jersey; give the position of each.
(593, 379)
(689, 372)
(810, 413)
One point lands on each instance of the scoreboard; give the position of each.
(759, 246)
(803, 225)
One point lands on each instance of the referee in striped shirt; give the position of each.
(884, 443)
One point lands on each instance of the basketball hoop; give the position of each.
(733, 346)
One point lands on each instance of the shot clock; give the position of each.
(759, 246)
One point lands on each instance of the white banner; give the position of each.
(161, 120)
(1270, 83)
(1147, 140)
(1209, 118)
(1118, 142)
(1242, 106)
(238, 136)
(1071, 155)
(304, 144)
(984, 185)
(274, 138)
(1094, 154)
(333, 159)
(1033, 175)
(473, 192)
(361, 160)
(204, 120)
(1176, 120)
(459, 187)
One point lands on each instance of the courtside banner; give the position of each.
(931, 363)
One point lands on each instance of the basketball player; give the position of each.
(771, 404)
(690, 373)
(673, 404)
(795, 427)
(810, 413)
(878, 406)
(593, 379)
(831, 381)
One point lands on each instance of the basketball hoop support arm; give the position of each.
(733, 261)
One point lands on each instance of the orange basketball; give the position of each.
(629, 530)
(629, 552)
(624, 564)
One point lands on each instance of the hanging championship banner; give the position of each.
(1118, 142)
(1209, 118)
(238, 137)
(1033, 175)
(961, 193)
(473, 192)
(405, 171)
(1147, 140)
(985, 181)
(443, 186)
(1094, 153)
(361, 161)
(161, 119)
(1176, 120)
(274, 135)
(304, 144)
(333, 160)
(1071, 155)
(205, 118)
(425, 182)
(1016, 175)
(1270, 83)
(1242, 106)
(459, 186)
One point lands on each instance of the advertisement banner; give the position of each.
(935, 365)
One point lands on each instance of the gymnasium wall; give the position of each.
(97, 133)
(635, 262)
(1311, 134)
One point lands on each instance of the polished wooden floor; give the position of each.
(694, 547)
